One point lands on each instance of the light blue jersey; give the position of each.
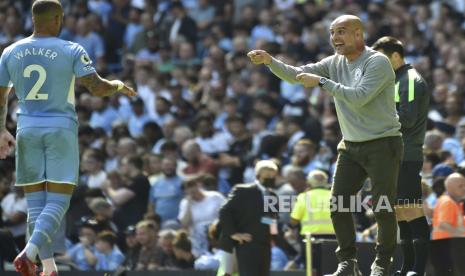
(43, 71)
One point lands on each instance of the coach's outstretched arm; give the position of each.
(101, 87)
(285, 71)
(7, 141)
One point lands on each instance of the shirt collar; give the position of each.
(260, 186)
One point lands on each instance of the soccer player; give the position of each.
(42, 68)
(412, 100)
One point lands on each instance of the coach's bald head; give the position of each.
(47, 16)
(347, 36)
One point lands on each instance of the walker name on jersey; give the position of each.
(36, 52)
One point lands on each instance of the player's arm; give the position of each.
(101, 87)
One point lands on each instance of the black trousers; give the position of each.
(8, 249)
(253, 259)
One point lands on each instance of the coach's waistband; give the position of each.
(374, 140)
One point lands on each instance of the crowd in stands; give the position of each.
(155, 170)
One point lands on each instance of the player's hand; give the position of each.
(7, 142)
(128, 91)
(259, 57)
(308, 80)
(242, 237)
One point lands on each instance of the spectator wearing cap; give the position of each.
(198, 209)
(246, 226)
(109, 257)
(312, 211)
(166, 193)
(138, 118)
(132, 248)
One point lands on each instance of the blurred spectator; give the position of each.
(210, 142)
(130, 199)
(103, 213)
(92, 161)
(138, 118)
(132, 248)
(165, 254)
(82, 254)
(238, 157)
(198, 209)
(109, 257)
(134, 27)
(166, 193)
(182, 25)
(182, 247)
(91, 41)
(304, 156)
(448, 223)
(197, 162)
(14, 213)
(146, 235)
(152, 166)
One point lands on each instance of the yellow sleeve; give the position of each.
(299, 208)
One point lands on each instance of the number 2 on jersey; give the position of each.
(34, 93)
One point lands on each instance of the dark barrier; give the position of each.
(452, 250)
(155, 273)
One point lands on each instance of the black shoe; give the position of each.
(399, 273)
(347, 268)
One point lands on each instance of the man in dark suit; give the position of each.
(182, 25)
(247, 222)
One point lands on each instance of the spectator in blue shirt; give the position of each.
(81, 253)
(91, 41)
(138, 118)
(166, 193)
(109, 257)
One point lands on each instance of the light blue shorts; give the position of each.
(46, 154)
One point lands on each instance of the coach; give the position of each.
(361, 81)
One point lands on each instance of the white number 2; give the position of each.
(34, 94)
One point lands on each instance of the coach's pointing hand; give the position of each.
(308, 80)
(259, 57)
